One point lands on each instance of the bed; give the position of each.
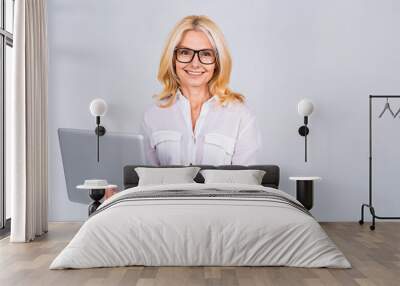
(201, 224)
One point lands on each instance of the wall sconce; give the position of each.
(305, 108)
(98, 107)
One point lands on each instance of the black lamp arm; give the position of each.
(303, 131)
(100, 131)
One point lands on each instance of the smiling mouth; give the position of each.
(193, 73)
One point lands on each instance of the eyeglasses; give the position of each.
(186, 55)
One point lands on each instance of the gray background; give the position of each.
(334, 52)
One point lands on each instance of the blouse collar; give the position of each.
(180, 96)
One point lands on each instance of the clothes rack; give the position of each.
(370, 204)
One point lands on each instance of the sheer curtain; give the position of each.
(28, 123)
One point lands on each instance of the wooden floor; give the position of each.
(375, 257)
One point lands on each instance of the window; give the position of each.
(6, 60)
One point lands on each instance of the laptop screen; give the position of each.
(79, 156)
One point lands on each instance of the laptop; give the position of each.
(79, 157)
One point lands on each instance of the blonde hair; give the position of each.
(218, 85)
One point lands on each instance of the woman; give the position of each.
(197, 119)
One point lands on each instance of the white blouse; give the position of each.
(223, 135)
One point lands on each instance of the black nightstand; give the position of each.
(97, 189)
(305, 190)
(96, 195)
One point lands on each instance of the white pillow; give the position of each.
(163, 176)
(249, 177)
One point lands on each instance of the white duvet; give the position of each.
(200, 231)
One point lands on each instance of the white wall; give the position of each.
(333, 52)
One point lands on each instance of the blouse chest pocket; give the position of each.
(167, 144)
(218, 149)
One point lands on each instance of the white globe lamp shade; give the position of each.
(98, 107)
(305, 107)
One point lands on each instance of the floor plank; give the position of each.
(375, 257)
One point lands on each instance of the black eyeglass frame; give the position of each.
(198, 55)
